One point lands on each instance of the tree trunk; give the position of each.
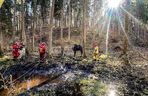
(62, 23)
(50, 27)
(126, 23)
(125, 44)
(20, 24)
(93, 23)
(1, 41)
(41, 24)
(69, 25)
(33, 33)
(84, 27)
(34, 25)
(14, 20)
(23, 23)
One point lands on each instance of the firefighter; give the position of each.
(95, 52)
(15, 50)
(42, 51)
(22, 51)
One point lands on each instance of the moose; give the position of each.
(77, 48)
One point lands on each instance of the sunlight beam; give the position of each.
(113, 4)
(133, 47)
(136, 20)
(129, 14)
(122, 27)
(111, 90)
(107, 35)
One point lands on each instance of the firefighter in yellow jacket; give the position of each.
(95, 52)
(1, 2)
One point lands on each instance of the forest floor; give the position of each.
(69, 76)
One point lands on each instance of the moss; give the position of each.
(5, 59)
(93, 87)
(145, 92)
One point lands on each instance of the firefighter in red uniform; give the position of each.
(15, 50)
(42, 51)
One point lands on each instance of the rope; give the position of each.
(23, 74)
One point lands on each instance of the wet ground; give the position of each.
(68, 76)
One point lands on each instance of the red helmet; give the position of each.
(42, 45)
(15, 46)
(95, 44)
(42, 48)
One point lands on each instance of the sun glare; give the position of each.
(114, 3)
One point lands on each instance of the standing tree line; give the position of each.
(26, 19)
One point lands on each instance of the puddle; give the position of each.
(28, 84)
